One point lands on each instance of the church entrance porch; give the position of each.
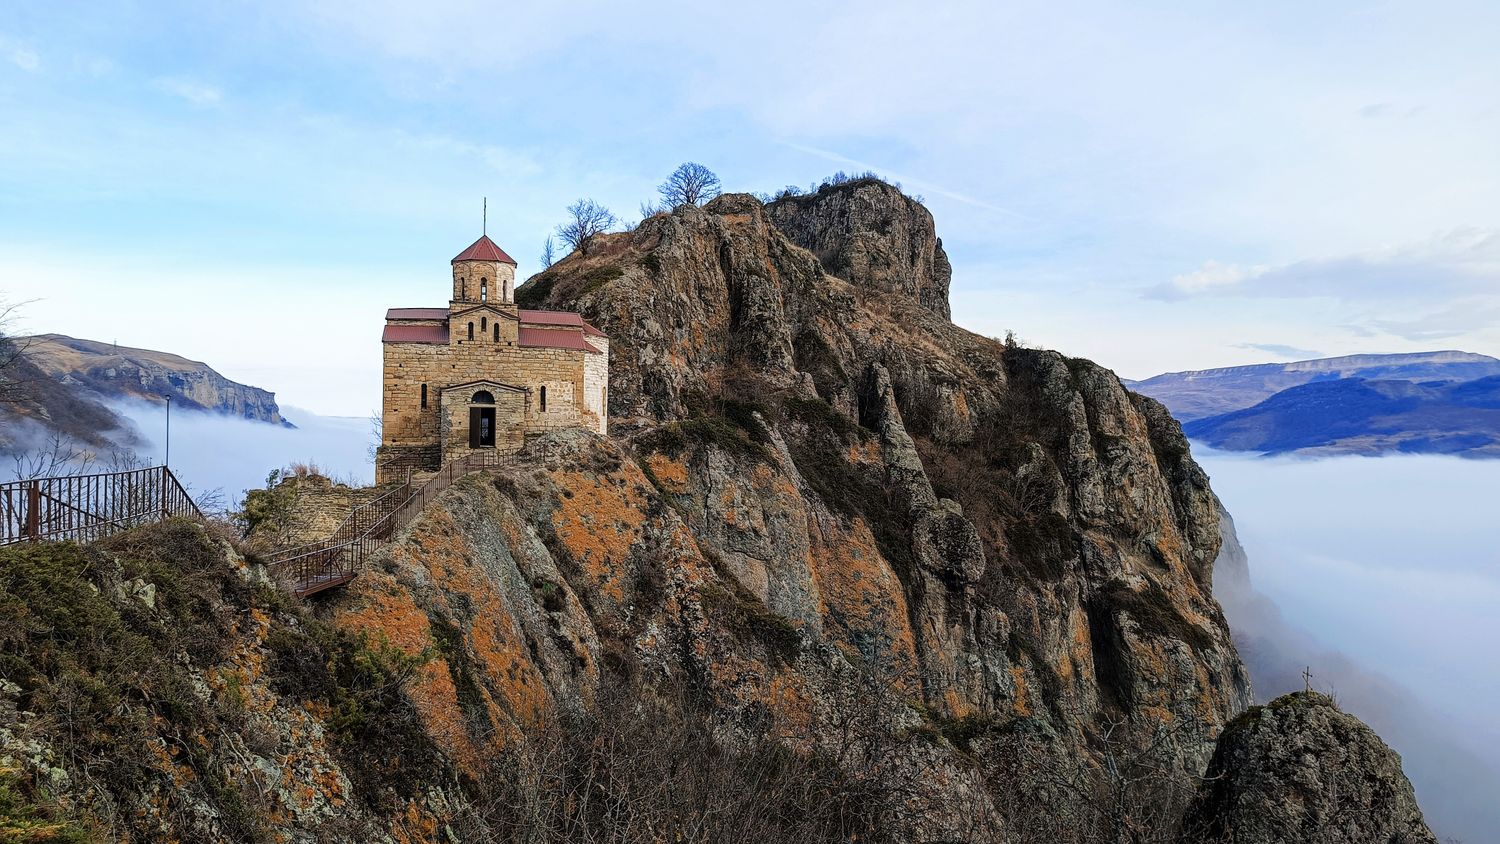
(482, 416)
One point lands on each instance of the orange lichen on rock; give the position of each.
(860, 595)
(511, 692)
(671, 474)
(386, 610)
(1021, 705)
(599, 525)
(864, 451)
(1078, 657)
(416, 825)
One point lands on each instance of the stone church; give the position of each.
(482, 373)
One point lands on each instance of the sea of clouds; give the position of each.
(1382, 575)
(216, 452)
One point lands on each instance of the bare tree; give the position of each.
(12, 354)
(587, 219)
(377, 429)
(689, 184)
(549, 253)
(61, 456)
(56, 456)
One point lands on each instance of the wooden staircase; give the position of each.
(336, 560)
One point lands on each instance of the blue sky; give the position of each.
(1154, 186)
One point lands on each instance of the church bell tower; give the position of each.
(483, 273)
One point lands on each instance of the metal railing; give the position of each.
(335, 560)
(85, 508)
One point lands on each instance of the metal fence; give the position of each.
(335, 560)
(85, 508)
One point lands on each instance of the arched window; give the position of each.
(484, 290)
(497, 332)
(483, 397)
(505, 286)
(544, 399)
(471, 331)
(484, 324)
(463, 290)
(424, 396)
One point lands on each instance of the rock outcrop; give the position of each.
(1033, 540)
(870, 234)
(1300, 770)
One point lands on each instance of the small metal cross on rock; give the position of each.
(1307, 679)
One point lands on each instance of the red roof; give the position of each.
(415, 334)
(484, 249)
(543, 338)
(549, 338)
(417, 313)
(559, 318)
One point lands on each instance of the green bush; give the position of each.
(24, 821)
(77, 638)
(744, 613)
(534, 293)
(110, 639)
(819, 412)
(598, 277)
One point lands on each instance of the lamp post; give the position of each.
(167, 460)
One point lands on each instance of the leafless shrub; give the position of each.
(650, 764)
(302, 470)
(56, 456)
(1124, 790)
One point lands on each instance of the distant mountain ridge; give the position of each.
(113, 371)
(1198, 394)
(1362, 416)
(60, 389)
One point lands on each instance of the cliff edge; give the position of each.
(842, 571)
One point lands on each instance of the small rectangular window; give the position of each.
(424, 396)
(544, 399)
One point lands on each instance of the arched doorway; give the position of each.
(482, 420)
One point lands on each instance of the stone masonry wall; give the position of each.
(409, 365)
(510, 421)
(468, 275)
(483, 319)
(596, 384)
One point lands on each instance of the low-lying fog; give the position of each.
(210, 451)
(1382, 575)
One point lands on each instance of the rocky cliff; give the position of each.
(842, 571)
(109, 371)
(871, 236)
(1299, 769)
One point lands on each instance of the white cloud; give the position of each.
(1458, 262)
(1212, 276)
(1281, 350)
(1458, 319)
(26, 60)
(197, 93)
